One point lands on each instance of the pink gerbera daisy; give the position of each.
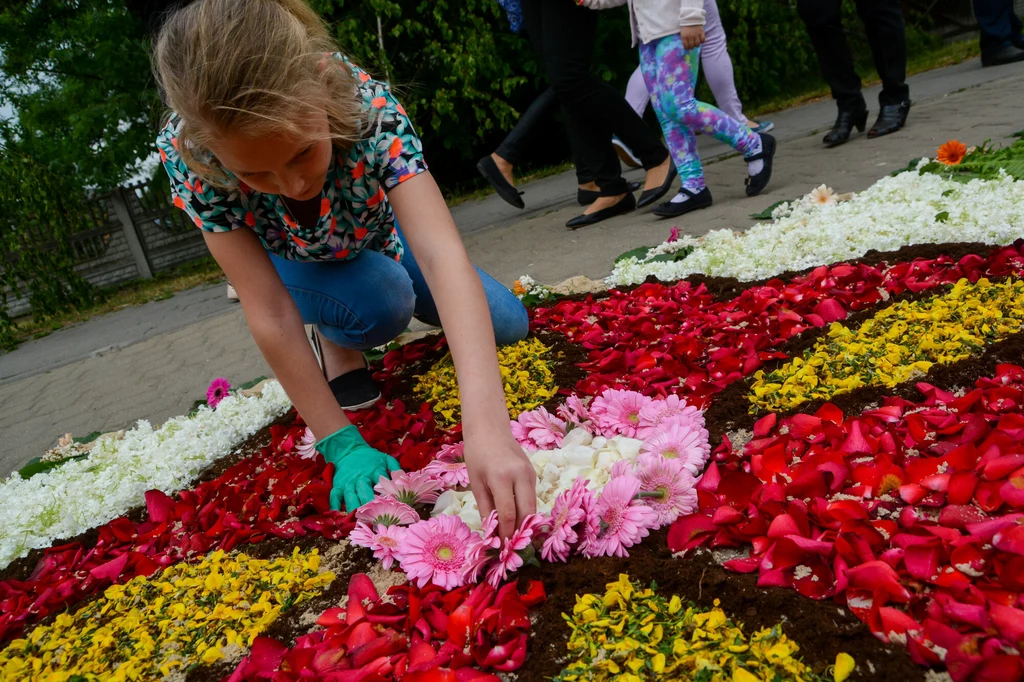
(624, 520)
(436, 551)
(510, 557)
(449, 467)
(538, 430)
(569, 511)
(658, 411)
(666, 487)
(618, 412)
(307, 446)
(680, 438)
(384, 541)
(418, 487)
(624, 467)
(383, 511)
(573, 411)
(217, 391)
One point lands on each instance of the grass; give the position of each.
(163, 286)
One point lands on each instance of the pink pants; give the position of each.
(714, 60)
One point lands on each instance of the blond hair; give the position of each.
(253, 67)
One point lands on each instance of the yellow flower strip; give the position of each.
(631, 634)
(900, 343)
(149, 627)
(524, 371)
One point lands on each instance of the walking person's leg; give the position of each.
(1001, 41)
(717, 65)
(823, 19)
(670, 71)
(887, 36)
(497, 168)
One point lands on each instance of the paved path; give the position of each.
(151, 362)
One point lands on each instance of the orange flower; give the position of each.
(951, 153)
(518, 289)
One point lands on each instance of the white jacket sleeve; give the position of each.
(603, 4)
(691, 13)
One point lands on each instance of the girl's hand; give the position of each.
(693, 36)
(502, 477)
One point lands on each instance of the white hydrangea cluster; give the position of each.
(582, 455)
(906, 209)
(83, 494)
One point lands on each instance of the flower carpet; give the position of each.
(789, 453)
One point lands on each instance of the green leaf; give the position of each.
(942, 216)
(766, 214)
(639, 253)
(87, 438)
(37, 466)
(249, 384)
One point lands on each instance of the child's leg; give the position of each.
(509, 317)
(358, 304)
(677, 69)
(680, 140)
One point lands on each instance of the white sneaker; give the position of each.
(232, 294)
(625, 153)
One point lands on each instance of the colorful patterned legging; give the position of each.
(670, 72)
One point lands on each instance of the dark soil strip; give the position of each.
(21, 569)
(822, 629)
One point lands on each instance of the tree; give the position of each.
(38, 214)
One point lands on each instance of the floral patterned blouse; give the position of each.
(354, 211)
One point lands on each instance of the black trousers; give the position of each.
(563, 34)
(999, 25)
(514, 148)
(883, 22)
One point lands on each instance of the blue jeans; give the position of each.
(367, 301)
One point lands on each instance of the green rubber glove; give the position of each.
(357, 467)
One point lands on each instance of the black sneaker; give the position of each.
(355, 390)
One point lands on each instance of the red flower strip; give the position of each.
(412, 634)
(911, 514)
(663, 339)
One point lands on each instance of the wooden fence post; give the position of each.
(131, 234)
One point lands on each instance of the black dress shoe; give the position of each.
(891, 118)
(701, 199)
(625, 205)
(585, 197)
(649, 196)
(846, 121)
(1004, 55)
(506, 191)
(756, 183)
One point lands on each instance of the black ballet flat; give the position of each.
(846, 121)
(506, 191)
(625, 205)
(355, 390)
(891, 118)
(649, 196)
(757, 183)
(696, 201)
(585, 197)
